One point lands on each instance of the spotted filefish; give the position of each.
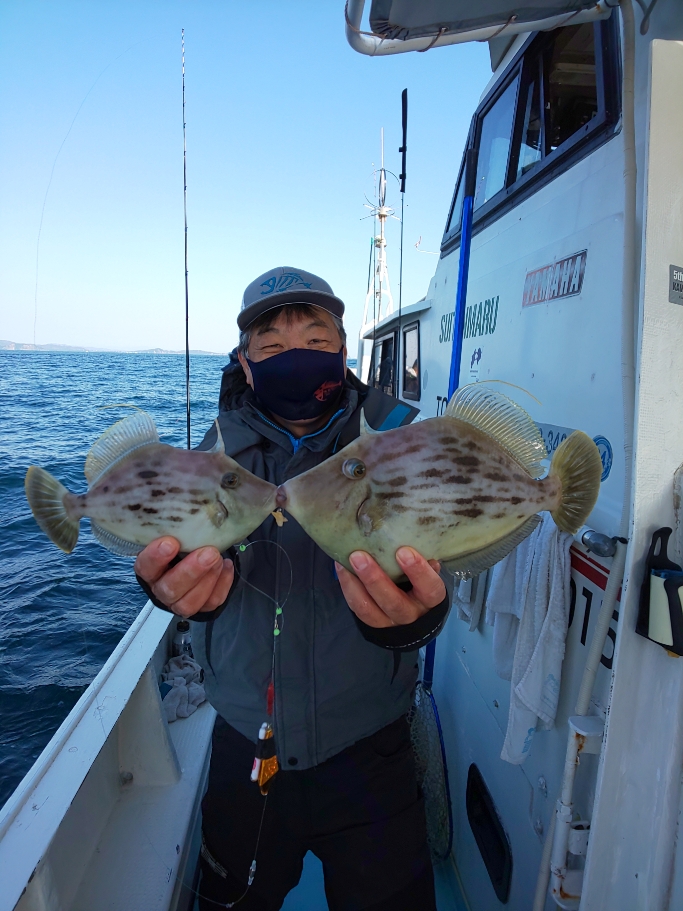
(462, 488)
(140, 489)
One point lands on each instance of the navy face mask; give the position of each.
(299, 384)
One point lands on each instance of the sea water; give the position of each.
(62, 615)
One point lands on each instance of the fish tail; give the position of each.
(578, 467)
(45, 496)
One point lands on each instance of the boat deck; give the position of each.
(309, 895)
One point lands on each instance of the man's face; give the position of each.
(315, 332)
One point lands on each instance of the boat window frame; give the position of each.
(412, 397)
(600, 129)
(515, 74)
(392, 334)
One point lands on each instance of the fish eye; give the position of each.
(230, 481)
(353, 468)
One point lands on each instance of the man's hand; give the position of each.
(200, 582)
(378, 602)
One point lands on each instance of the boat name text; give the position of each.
(480, 319)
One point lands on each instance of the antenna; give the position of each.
(402, 178)
(187, 296)
(383, 302)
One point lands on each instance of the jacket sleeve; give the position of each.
(412, 636)
(203, 616)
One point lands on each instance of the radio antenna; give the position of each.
(187, 297)
(402, 178)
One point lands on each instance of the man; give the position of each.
(337, 680)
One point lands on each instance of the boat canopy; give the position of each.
(403, 25)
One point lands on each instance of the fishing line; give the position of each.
(52, 174)
(278, 627)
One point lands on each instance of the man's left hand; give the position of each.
(378, 601)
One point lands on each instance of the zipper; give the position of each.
(208, 637)
(296, 445)
(297, 441)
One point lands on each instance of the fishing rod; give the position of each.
(187, 296)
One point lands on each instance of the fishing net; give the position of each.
(432, 772)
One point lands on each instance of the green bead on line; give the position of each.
(276, 631)
(278, 611)
(243, 547)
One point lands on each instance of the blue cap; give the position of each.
(285, 285)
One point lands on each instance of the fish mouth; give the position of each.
(281, 496)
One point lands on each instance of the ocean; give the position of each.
(62, 615)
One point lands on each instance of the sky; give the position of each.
(283, 133)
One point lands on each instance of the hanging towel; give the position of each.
(182, 688)
(528, 604)
(468, 599)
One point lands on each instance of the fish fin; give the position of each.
(578, 466)
(365, 428)
(119, 441)
(219, 445)
(45, 496)
(217, 513)
(504, 421)
(469, 565)
(113, 543)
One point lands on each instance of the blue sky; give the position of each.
(283, 124)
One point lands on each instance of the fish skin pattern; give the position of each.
(440, 485)
(200, 498)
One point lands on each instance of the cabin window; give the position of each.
(557, 101)
(455, 215)
(494, 146)
(411, 362)
(531, 147)
(382, 364)
(572, 93)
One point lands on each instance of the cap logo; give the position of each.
(284, 282)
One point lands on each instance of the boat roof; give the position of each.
(397, 26)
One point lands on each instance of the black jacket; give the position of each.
(336, 680)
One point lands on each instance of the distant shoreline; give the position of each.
(72, 349)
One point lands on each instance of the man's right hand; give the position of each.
(200, 582)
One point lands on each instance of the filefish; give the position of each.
(462, 488)
(140, 489)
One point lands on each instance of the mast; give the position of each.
(379, 301)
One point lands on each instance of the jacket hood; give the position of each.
(234, 386)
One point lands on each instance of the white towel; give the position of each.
(528, 603)
(468, 599)
(185, 677)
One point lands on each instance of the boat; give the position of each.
(567, 265)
